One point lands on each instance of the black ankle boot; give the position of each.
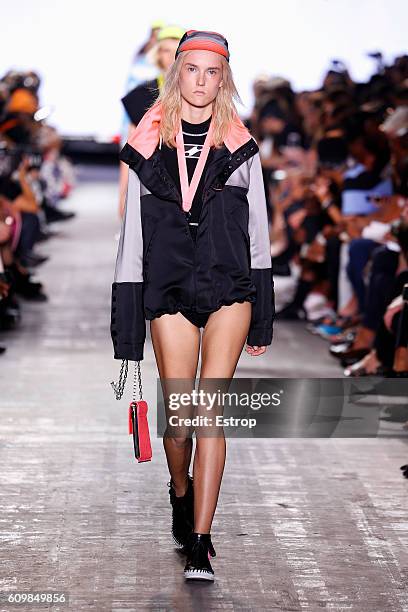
(182, 514)
(200, 548)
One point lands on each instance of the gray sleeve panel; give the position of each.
(144, 190)
(129, 261)
(240, 176)
(258, 217)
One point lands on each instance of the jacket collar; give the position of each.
(145, 137)
(153, 172)
(142, 153)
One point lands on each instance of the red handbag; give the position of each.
(138, 425)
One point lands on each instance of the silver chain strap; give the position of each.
(119, 387)
(137, 377)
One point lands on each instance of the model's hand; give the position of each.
(255, 350)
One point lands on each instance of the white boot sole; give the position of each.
(198, 575)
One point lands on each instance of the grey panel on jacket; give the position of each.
(258, 217)
(144, 190)
(240, 176)
(129, 261)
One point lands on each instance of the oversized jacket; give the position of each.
(159, 269)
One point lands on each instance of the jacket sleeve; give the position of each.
(263, 310)
(128, 324)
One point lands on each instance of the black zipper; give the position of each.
(194, 270)
(193, 242)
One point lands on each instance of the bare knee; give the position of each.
(208, 440)
(179, 442)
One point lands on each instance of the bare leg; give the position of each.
(176, 344)
(364, 338)
(351, 308)
(223, 339)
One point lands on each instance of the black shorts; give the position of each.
(199, 319)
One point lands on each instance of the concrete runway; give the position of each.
(302, 524)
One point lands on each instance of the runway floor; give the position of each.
(302, 524)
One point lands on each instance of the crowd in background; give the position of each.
(34, 178)
(335, 165)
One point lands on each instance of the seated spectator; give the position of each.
(56, 171)
(29, 192)
(389, 352)
(333, 204)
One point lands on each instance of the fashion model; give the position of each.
(194, 253)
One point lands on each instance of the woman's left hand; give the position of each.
(255, 350)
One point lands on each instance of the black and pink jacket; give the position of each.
(159, 267)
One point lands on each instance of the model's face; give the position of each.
(200, 77)
(166, 52)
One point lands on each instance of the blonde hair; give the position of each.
(223, 105)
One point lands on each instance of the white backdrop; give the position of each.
(83, 48)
